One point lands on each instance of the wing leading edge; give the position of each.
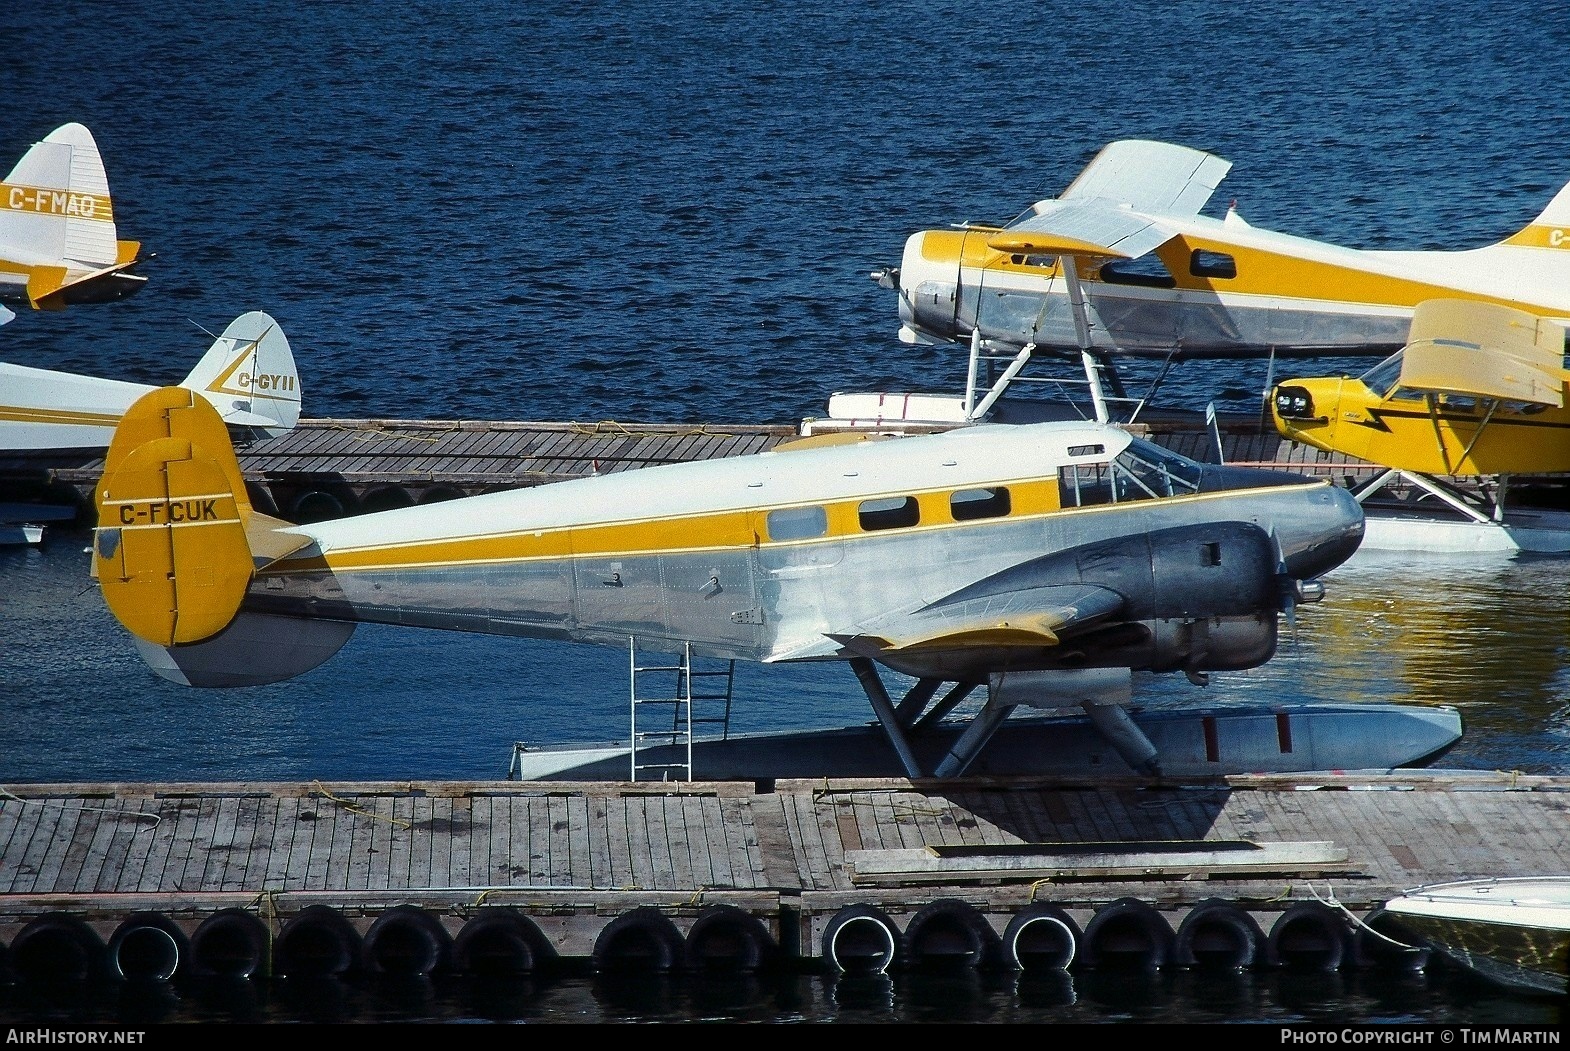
(1032, 617)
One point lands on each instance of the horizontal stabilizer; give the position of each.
(255, 649)
(1481, 349)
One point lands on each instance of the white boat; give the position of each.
(1512, 931)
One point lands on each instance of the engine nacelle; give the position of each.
(1195, 599)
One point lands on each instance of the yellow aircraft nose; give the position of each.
(1293, 402)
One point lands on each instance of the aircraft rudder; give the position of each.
(170, 550)
(57, 208)
(249, 375)
(1551, 228)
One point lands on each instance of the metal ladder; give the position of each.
(680, 700)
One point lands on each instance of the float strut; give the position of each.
(867, 672)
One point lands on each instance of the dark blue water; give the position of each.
(667, 212)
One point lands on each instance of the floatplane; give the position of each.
(1123, 264)
(1041, 564)
(58, 240)
(1476, 397)
(248, 375)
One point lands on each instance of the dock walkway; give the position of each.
(667, 872)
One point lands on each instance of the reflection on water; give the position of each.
(1367, 995)
(1487, 635)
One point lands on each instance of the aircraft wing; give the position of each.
(1092, 227)
(1114, 208)
(1472, 348)
(1029, 617)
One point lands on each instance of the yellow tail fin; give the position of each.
(170, 550)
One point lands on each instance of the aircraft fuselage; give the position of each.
(764, 557)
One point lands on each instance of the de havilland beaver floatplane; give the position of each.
(58, 242)
(1478, 395)
(1122, 264)
(1043, 564)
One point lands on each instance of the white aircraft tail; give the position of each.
(1551, 228)
(249, 375)
(57, 222)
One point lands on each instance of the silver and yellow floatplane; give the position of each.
(1043, 564)
(1123, 264)
(1477, 397)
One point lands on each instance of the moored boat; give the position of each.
(1512, 931)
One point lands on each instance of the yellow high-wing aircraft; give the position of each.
(1057, 558)
(58, 242)
(1478, 392)
(1123, 263)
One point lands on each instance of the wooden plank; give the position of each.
(47, 848)
(84, 860)
(458, 840)
(706, 838)
(1037, 861)
(263, 828)
(673, 865)
(580, 867)
(18, 818)
(597, 855)
(145, 824)
(183, 840)
(622, 868)
(291, 840)
(781, 865)
(558, 859)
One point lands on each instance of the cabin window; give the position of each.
(1147, 270)
(1085, 484)
(797, 523)
(889, 512)
(1204, 263)
(967, 505)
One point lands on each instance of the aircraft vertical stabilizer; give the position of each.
(58, 239)
(249, 375)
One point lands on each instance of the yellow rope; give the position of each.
(1031, 900)
(355, 808)
(154, 818)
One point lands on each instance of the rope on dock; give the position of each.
(355, 808)
(153, 820)
(1333, 903)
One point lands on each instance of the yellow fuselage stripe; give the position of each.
(1260, 273)
(22, 414)
(728, 530)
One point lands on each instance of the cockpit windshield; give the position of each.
(1382, 378)
(1143, 471)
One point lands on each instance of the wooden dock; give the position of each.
(738, 873)
(329, 467)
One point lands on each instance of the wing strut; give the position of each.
(1076, 298)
